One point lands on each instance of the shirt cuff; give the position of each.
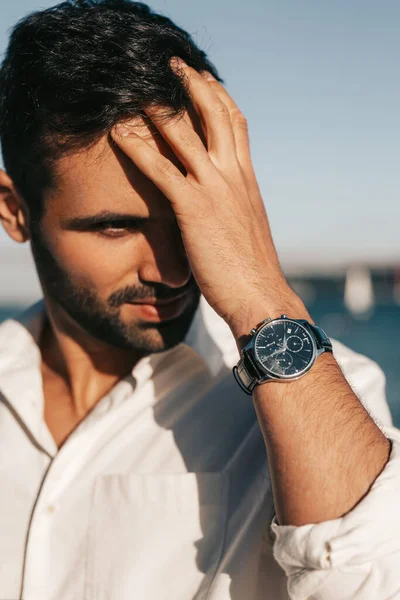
(323, 557)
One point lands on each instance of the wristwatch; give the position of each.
(281, 349)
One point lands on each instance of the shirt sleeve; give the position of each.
(355, 557)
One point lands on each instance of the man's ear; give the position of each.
(13, 212)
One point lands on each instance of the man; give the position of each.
(133, 465)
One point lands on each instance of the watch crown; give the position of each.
(284, 317)
(255, 329)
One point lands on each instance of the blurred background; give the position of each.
(318, 82)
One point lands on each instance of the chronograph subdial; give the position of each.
(294, 343)
(272, 343)
(284, 360)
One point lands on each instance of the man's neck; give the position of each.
(85, 368)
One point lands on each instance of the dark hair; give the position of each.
(71, 72)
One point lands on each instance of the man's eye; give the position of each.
(114, 229)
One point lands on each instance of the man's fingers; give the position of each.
(161, 171)
(241, 134)
(238, 120)
(240, 130)
(214, 117)
(183, 140)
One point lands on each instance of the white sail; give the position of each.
(359, 291)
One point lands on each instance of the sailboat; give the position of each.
(359, 296)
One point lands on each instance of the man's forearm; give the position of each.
(324, 450)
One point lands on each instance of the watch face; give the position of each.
(285, 348)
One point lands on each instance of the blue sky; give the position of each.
(318, 82)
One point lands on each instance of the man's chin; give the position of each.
(158, 336)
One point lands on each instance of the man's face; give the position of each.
(98, 267)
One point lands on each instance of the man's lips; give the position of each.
(156, 302)
(160, 310)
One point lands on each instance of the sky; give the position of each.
(319, 85)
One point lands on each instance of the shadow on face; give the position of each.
(108, 240)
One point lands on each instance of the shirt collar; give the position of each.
(209, 340)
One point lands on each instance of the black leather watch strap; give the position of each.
(245, 381)
(246, 373)
(323, 342)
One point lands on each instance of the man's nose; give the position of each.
(165, 260)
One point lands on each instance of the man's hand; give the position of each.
(309, 425)
(217, 203)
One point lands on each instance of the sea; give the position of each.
(376, 334)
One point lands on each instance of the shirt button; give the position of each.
(51, 509)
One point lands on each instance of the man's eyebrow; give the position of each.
(104, 216)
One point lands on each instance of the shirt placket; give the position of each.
(74, 457)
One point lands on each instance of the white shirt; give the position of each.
(163, 491)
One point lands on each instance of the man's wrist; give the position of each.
(262, 307)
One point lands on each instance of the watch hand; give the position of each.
(281, 349)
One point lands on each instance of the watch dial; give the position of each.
(285, 348)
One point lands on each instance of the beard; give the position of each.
(102, 319)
